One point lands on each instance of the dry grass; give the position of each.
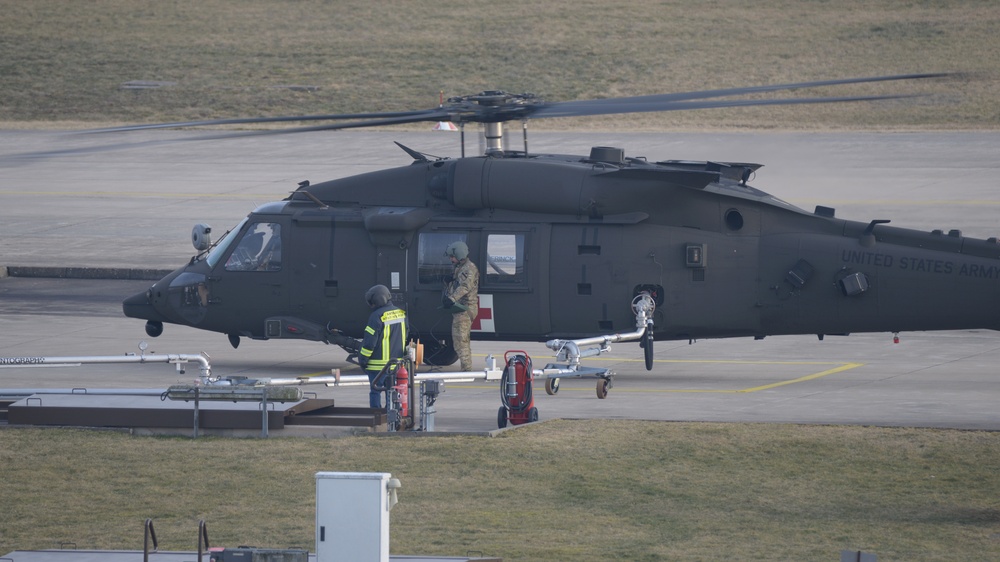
(66, 61)
(566, 490)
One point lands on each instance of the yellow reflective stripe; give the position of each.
(370, 330)
(366, 352)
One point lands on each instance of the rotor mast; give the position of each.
(493, 108)
(494, 138)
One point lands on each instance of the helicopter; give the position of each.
(566, 243)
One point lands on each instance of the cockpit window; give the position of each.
(258, 250)
(217, 251)
(432, 265)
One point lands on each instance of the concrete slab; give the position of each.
(135, 209)
(942, 379)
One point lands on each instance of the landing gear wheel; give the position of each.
(502, 417)
(647, 349)
(551, 386)
(602, 388)
(533, 415)
(437, 354)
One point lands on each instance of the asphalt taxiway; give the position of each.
(121, 210)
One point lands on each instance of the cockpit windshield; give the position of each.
(259, 249)
(216, 253)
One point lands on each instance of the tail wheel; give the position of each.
(439, 353)
(602, 388)
(551, 386)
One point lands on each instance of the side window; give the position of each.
(432, 265)
(258, 250)
(504, 260)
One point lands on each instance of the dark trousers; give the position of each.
(374, 396)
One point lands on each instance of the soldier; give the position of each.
(461, 297)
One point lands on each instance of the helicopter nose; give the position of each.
(139, 306)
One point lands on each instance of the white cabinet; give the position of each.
(352, 516)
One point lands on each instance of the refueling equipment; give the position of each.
(569, 351)
(394, 381)
(515, 391)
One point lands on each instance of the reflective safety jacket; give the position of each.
(385, 338)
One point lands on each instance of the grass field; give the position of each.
(562, 490)
(66, 62)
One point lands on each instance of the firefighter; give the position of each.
(385, 337)
(461, 297)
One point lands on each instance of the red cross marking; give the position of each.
(484, 314)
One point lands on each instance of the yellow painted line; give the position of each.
(718, 361)
(840, 368)
(814, 376)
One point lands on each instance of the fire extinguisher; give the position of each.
(402, 390)
(515, 391)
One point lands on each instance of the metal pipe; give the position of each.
(197, 422)
(202, 539)
(328, 380)
(147, 534)
(555, 345)
(178, 359)
(484, 375)
(14, 392)
(263, 414)
(356, 380)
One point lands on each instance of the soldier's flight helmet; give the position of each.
(377, 296)
(458, 250)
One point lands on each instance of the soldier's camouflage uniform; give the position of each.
(464, 290)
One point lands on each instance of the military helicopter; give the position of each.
(566, 243)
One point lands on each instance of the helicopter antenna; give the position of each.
(418, 156)
(316, 200)
(302, 189)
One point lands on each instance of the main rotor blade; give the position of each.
(596, 107)
(466, 112)
(436, 116)
(421, 117)
(610, 109)
(471, 110)
(247, 120)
